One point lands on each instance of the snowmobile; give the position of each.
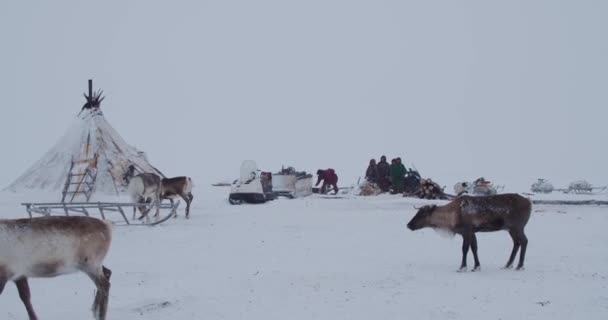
(542, 186)
(253, 185)
(582, 186)
(481, 186)
(412, 181)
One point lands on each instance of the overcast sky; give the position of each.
(508, 90)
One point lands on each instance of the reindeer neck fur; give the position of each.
(444, 217)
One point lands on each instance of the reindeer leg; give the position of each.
(190, 196)
(187, 199)
(24, 293)
(145, 211)
(474, 249)
(522, 253)
(175, 215)
(106, 272)
(139, 200)
(466, 242)
(3, 279)
(157, 202)
(101, 278)
(516, 245)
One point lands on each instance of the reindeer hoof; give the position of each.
(507, 267)
(478, 268)
(462, 269)
(520, 268)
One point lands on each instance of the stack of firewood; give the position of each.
(428, 189)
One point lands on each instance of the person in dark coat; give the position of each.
(383, 170)
(398, 175)
(371, 174)
(329, 178)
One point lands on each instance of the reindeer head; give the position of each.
(422, 217)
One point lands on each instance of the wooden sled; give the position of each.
(105, 210)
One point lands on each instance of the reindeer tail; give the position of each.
(189, 185)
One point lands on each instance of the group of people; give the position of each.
(388, 177)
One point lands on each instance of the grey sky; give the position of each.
(509, 90)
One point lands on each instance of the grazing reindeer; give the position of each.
(466, 215)
(172, 188)
(52, 246)
(145, 188)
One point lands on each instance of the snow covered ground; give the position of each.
(316, 258)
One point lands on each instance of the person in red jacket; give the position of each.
(330, 179)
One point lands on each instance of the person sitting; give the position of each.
(383, 171)
(371, 174)
(397, 175)
(329, 178)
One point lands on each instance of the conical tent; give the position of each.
(90, 158)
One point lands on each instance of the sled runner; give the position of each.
(105, 210)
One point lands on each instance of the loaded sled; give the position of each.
(256, 186)
(481, 186)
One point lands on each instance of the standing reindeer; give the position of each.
(149, 187)
(51, 246)
(172, 188)
(145, 188)
(466, 215)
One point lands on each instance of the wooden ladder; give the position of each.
(82, 174)
(79, 184)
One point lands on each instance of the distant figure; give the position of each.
(330, 179)
(398, 175)
(371, 174)
(383, 171)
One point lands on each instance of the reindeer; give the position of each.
(51, 246)
(145, 188)
(466, 215)
(171, 188)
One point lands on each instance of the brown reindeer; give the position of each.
(52, 246)
(172, 188)
(466, 215)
